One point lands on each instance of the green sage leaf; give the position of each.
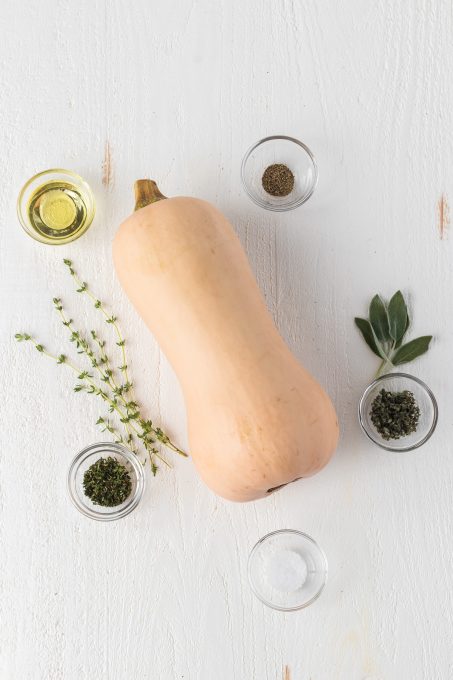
(397, 316)
(411, 350)
(364, 327)
(400, 342)
(379, 319)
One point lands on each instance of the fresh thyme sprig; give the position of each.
(139, 433)
(98, 359)
(82, 287)
(88, 385)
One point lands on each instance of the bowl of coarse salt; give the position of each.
(287, 570)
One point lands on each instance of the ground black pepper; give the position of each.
(395, 414)
(278, 180)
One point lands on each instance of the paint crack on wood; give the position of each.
(443, 212)
(286, 673)
(107, 169)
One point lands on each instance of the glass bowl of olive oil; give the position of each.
(56, 206)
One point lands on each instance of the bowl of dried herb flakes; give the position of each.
(279, 173)
(106, 481)
(398, 412)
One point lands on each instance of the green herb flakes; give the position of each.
(395, 414)
(107, 482)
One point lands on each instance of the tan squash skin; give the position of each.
(256, 418)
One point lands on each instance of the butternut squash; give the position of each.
(256, 418)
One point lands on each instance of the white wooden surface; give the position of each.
(179, 90)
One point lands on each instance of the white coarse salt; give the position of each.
(286, 571)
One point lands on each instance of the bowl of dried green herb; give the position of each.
(106, 481)
(279, 173)
(398, 412)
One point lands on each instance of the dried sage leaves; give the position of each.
(395, 414)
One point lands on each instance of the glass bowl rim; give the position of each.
(423, 386)
(280, 207)
(113, 514)
(317, 547)
(91, 210)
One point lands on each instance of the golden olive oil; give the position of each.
(57, 210)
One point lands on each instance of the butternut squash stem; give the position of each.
(146, 192)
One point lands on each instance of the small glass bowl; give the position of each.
(279, 149)
(42, 179)
(84, 460)
(398, 382)
(277, 550)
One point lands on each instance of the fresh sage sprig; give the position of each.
(385, 330)
(112, 384)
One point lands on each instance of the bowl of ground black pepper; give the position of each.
(398, 412)
(279, 173)
(106, 481)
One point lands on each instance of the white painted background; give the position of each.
(180, 90)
